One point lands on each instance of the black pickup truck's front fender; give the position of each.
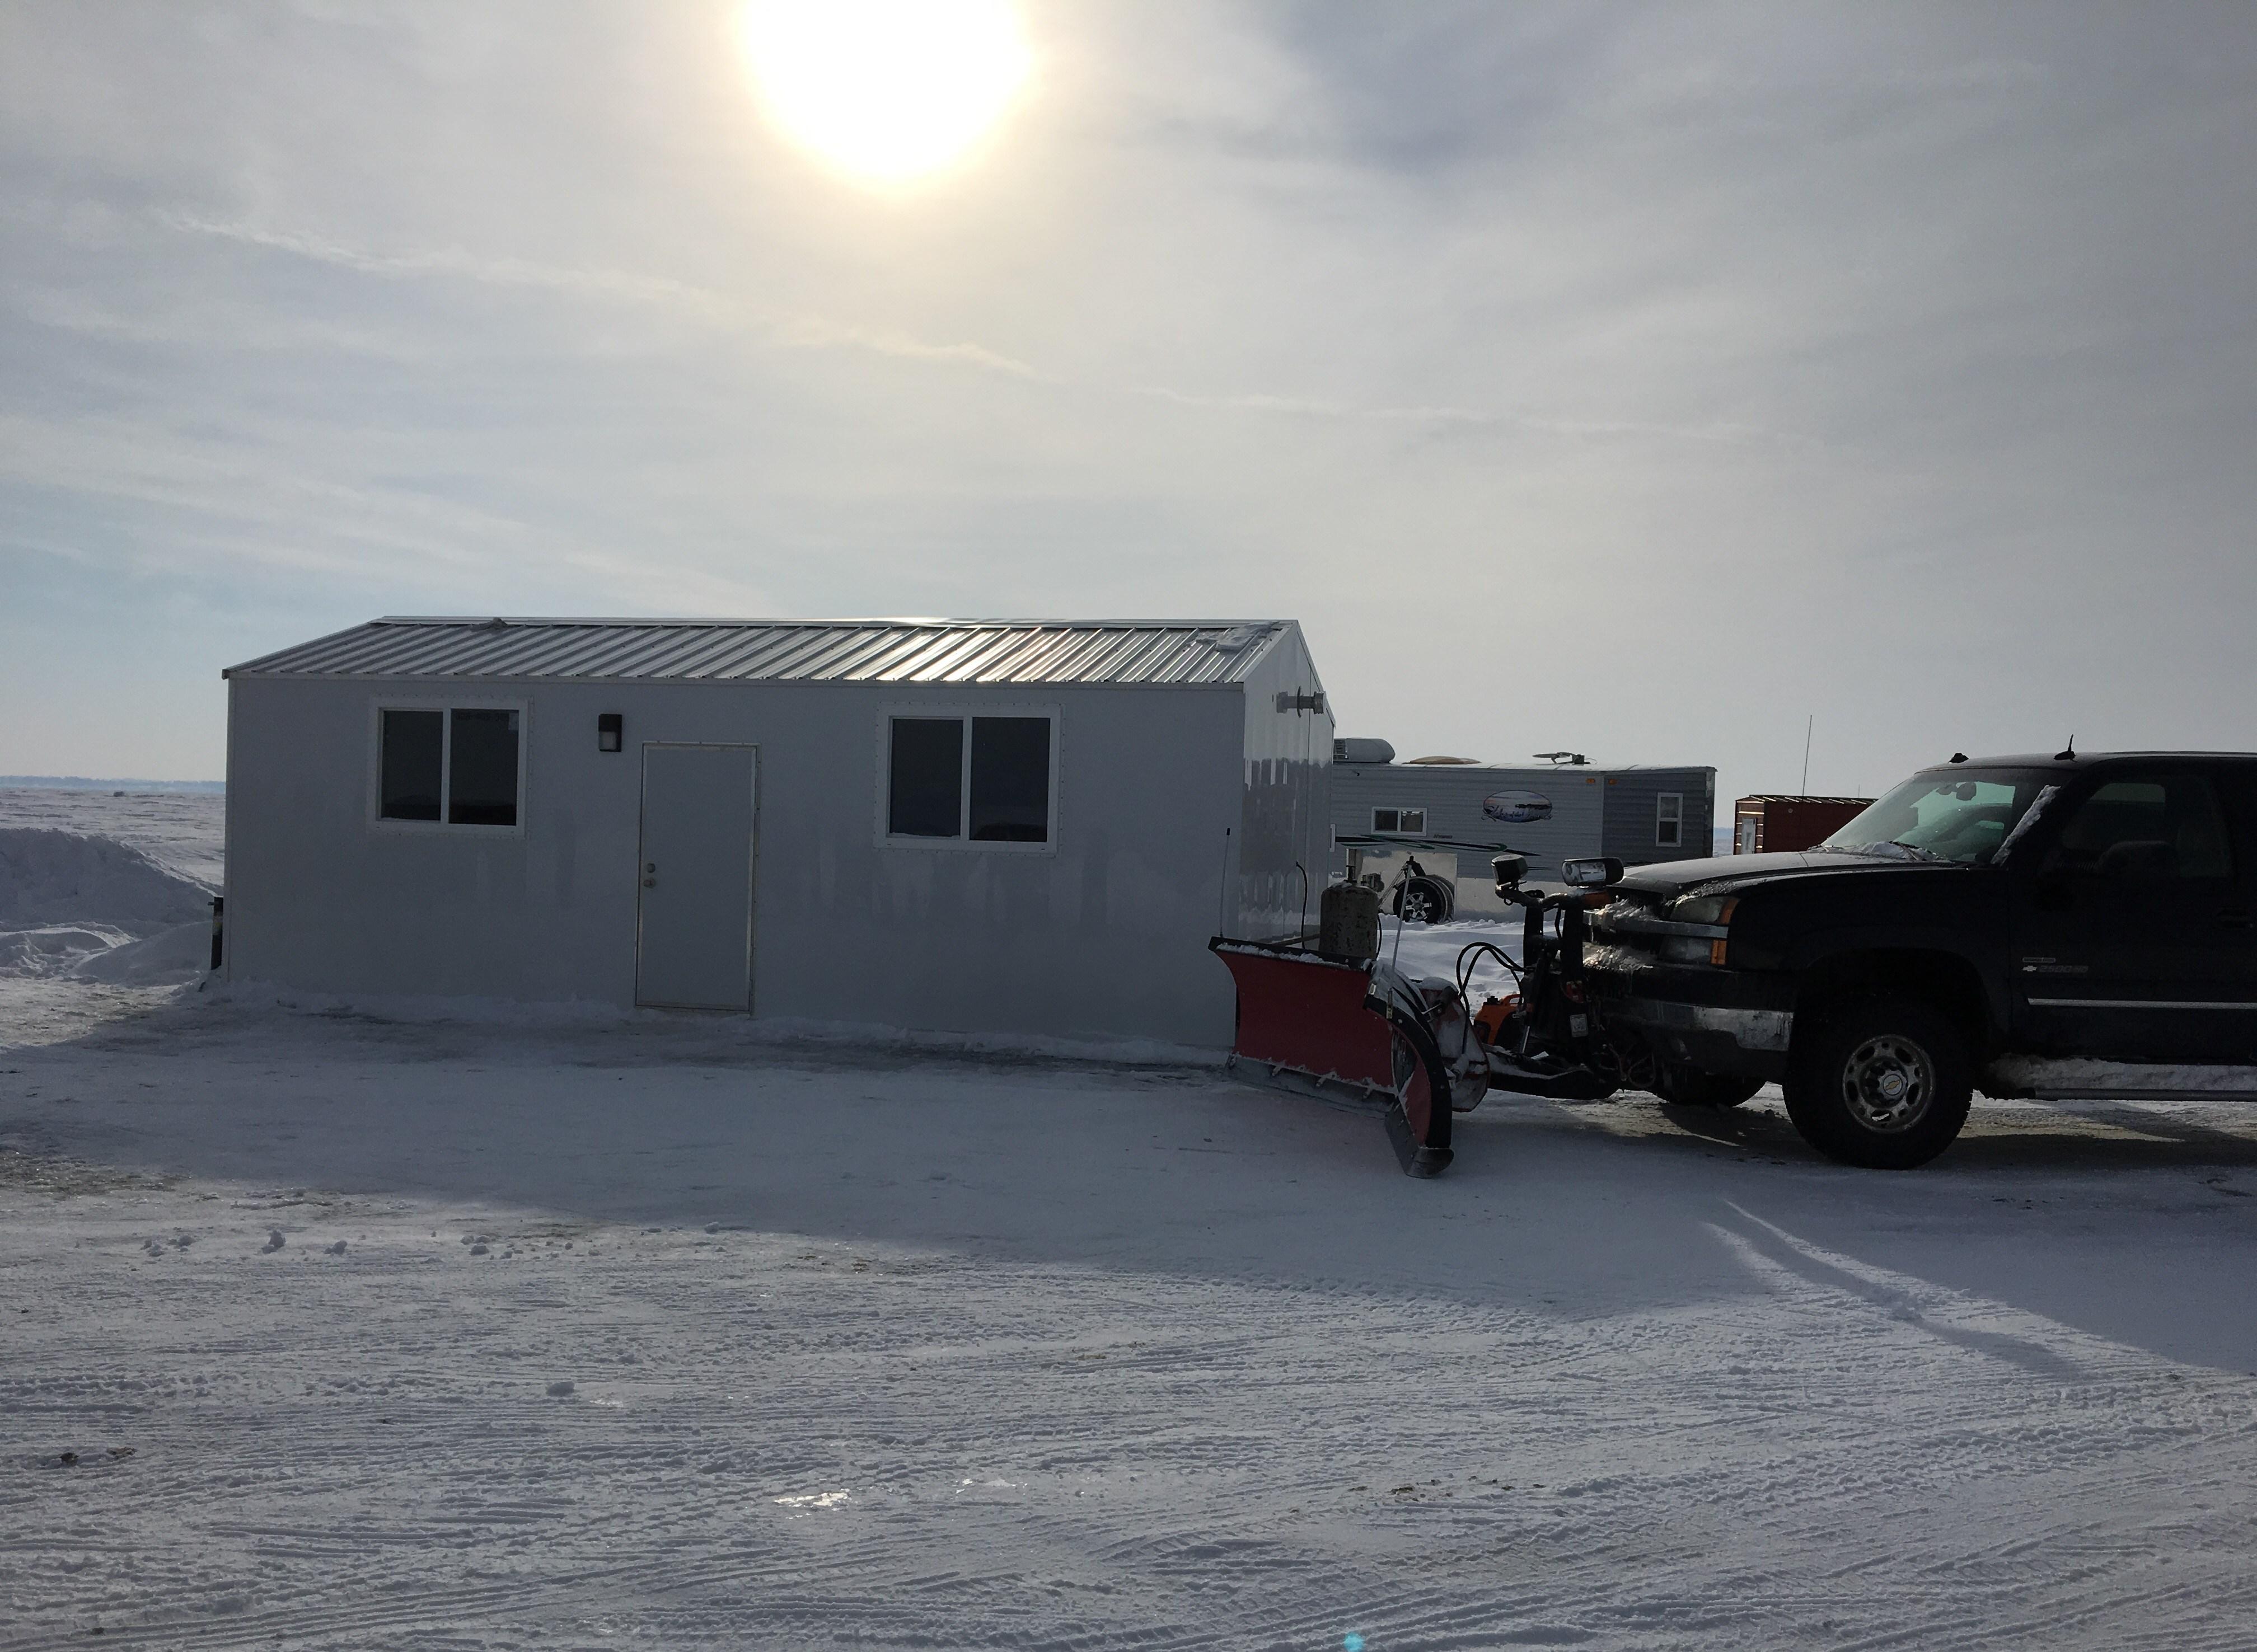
(1970, 979)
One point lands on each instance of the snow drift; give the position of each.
(75, 903)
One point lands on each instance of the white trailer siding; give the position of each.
(1284, 832)
(1099, 933)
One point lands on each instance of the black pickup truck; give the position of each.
(1985, 919)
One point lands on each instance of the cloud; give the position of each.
(1651, 377)
(799, 330)
(774, 329)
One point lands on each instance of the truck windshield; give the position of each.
(1961, 816)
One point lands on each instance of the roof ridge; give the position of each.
(902, 621)
(967, 654)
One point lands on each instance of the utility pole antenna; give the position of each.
(1807, 728)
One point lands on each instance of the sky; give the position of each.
(1657, 381)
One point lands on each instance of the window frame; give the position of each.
(966, 710)
(1661, 819)
(446, 707)
(2221, 797)
(1398, 830)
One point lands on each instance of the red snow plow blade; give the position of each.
(1310, 1024)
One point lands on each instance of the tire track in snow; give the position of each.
(1250, 1463)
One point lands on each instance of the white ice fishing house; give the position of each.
(1011, 826)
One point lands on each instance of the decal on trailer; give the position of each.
(1518, 808)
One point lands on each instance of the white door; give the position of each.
(694, 938)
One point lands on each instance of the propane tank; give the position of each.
(1348, 921)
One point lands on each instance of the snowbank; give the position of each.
(184, 832)
(51, 876)
(74, 903)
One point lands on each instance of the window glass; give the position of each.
(1385, 820)
(925, 778)
(2170, 826)
(1010, 779)
(408, 787)
(1669, 817)
(1963, 816)
(482, 769)
(1414, 820)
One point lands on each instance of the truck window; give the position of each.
(2167, 826)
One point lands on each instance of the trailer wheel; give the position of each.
(1882, 1083)
(1423, 901)
(1690, 1087)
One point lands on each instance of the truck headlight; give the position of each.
(1704, 909)
(1713, 911)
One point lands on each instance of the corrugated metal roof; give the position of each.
(1128, 651)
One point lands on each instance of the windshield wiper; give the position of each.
(1879, 851)
(1913, 849)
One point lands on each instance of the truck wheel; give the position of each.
(1882, 1083)
(1690, 1087)
(1423, 901)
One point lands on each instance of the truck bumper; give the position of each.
(1718, 1020)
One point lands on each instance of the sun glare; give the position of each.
(888, 90)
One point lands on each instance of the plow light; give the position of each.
(1595, 873)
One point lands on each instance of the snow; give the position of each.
(2032, 1073)
(115, 889)
(375, 1330)
(1431, 951)
(182, 831)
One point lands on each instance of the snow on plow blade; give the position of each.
(1310, 1025)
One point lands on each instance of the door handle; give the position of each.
(2234, 918)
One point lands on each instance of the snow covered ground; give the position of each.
(107, 888)
(374, 1332)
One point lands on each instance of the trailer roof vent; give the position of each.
(1459, 762)
(1363, 751)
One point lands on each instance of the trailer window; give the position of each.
(925, 790)
(1010, 780)
(1413, 821)
(460, 765)
(1669, 819)
(969, 779)
(413, 765)
(482, 768)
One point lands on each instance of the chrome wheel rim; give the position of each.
(1888, 1084)
(1418, 907)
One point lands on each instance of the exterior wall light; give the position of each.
(611, 730)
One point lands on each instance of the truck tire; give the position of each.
(1881, 1083)
(1424, 900)
(1690, 1087)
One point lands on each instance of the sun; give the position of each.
(888, 91)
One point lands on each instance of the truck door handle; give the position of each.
(2234, 918)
